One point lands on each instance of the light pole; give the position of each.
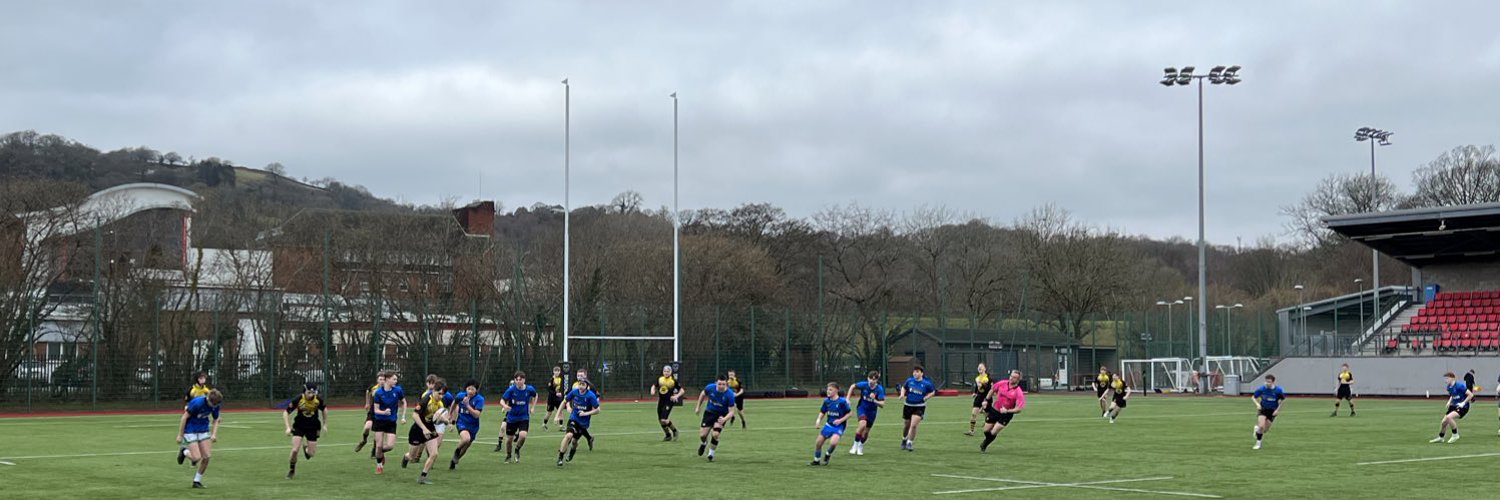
(1189, 311)
(567, 211)
(1382, 138)
(1169, 305)
(1360, 288)
(676, 248)
(1217, 76)
(1228, 333)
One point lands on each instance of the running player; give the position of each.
(424, 435)
(369, 415)
(1009, 400)
(518, 401)
(583, 404)
(1459, 397)
(739, 398)
(1121, 396)
(198, 431)
(311, 421)
(200, 387)
(1268, 400)
(390, 405)
(981, 389)
(470, 408)
(915, 391)
(1346, 392)
(871, 400)
(668, 394)
(557, 386)
(435, 401)
(720, 409)
(835, 413)
(1102, 390)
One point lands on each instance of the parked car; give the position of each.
(37, 372)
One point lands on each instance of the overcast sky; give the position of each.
(989, 108)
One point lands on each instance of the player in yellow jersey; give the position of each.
(557, 386)
(425, 434)
(310, 422)
(1103, 391)
(981, 391)
(739, 398)
(668, 393)
(1345, 380)
(1121, 397)
(369, 417)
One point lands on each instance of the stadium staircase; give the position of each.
(1452, 323)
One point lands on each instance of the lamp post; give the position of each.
(676, 248)
(1219, 75)
(1301, 316)
(1189, 311)
(1169, 305)
(1228, 334)
(567, 211)
(1375, 137)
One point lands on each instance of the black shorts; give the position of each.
(663, 409)
(369, 415)
(739, 403)
(993, 416)
(1344, 392)
(1269, 414)
(710, 419)
(512, 428)
(416, 437)
(386, 426)
(908, 412)
(1120, 401)
(1461, 411)
(308, 431)
(553, 402)
(979, 400)
(576, 429)
(1099, 391)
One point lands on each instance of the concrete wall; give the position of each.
(1409, 376)
(1463, 277)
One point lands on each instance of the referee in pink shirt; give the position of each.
(1009, 400)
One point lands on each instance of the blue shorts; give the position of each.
(832, 430)
(868, 416)
(473, 431)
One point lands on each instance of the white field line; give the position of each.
(1429, 459)
(163, 452)
(1087, 485)
(2, 462)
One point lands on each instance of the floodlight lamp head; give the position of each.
(1185, 76)
(1232, 75)
(1298, 287)
(1169, 77)
(1161, 302)
(1216, 75)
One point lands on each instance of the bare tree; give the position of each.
(1075, 271)
(37, 220)
(1464, 176)
(1338, 194)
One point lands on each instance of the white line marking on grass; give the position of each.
(2, 462)
(1429, 459)
(164, 452)
(1086, 485)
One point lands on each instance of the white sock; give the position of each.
(198, 477)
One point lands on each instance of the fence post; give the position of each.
(98, 322)
(425, 334)
(718, 314)
(156, 349)
(474, 339)
(822, 331)
(218, 350)
(275, 339)
(751, 375)
(885, 355)
(377, 340)
(327, 326)
(31, 347)
(786, 357)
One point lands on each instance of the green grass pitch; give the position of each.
(1162, 447)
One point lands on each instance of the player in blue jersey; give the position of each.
(582, 404)
(518, 401)
(1268, 400)
(470, 408)
(720, 410)
(1459, 397)
(871, 400)
(831, 419)
(916, 391)
(198, 431)
(389, 403)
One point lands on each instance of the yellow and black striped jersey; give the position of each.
(1103, 379)
(1345, 377)
(735, 385)
(307, 408)
(556, 384)
(428, 405)
(1118, 385)
(982, 384)
(665, 386)
(197, 391)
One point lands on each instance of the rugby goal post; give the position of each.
(1149, 375)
